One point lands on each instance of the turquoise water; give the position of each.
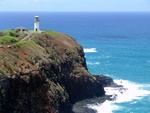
(116, 44)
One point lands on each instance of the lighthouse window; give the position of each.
(37, 19)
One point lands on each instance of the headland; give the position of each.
(44, 72)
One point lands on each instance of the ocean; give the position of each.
(116, 44)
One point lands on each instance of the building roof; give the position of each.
(23, 28)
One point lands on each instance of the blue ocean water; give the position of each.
(115, 44)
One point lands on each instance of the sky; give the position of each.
(76, 5)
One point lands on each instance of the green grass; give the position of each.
(2, 72)
(7, 32)
(52, 33)
(8, 39)
(8, 67)
(31, 30)
(25, 43)
(11, 33)
(31, 61)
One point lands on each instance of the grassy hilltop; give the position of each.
(22, 51)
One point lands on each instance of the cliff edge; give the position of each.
(44, 73)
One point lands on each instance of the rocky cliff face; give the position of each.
(44, 73)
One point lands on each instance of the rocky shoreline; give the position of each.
(82, 106)
(14, 85)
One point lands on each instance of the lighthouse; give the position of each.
(36, 24)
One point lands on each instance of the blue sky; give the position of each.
(75, 5)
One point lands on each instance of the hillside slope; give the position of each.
(44, 73)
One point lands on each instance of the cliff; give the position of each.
(44, 73)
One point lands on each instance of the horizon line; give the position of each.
(83, 11)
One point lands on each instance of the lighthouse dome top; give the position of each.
(36, 16)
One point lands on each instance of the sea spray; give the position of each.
(90, 50)
(126, 92)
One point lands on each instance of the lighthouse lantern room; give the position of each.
(36, 23)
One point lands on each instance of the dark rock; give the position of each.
(105, 80)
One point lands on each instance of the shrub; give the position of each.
(8, 67)
(52, 33)
(2, 72)
(1, 33)
(25, 43)
(8, 39)
(43, 75)
(15, 54)
(31, 61)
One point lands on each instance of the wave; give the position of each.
(136, 91)
(93, 63)
(130, 92)
(90, 50)
(106, 107)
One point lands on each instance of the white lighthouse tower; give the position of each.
(36, 24)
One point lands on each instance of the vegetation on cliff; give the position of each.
(43, 72)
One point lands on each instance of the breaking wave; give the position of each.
(90, 50)
(128, 93)
(93, 63)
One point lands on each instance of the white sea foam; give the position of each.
(90, 50)
(106, 107)
(93, 63)
(130, 92)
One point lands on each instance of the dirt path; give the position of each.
(29, 35)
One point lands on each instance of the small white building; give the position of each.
(36, 24)
(20, 29)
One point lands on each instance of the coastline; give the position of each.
(83, 106)
(51, 76)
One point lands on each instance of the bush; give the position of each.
(31, 61)
(1, 33)
(2, 72)
(8, 39)
(43, 75)
(52, 33)
(9, 68)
